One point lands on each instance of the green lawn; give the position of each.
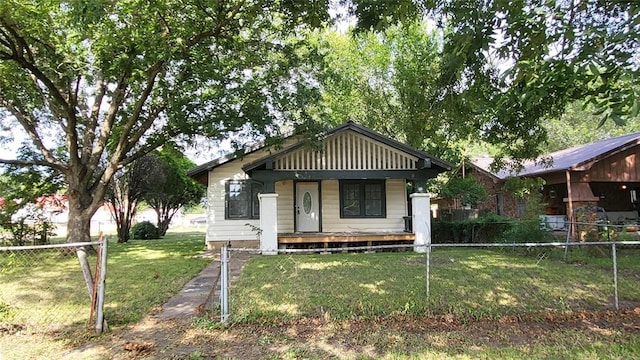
(471, 283)
(350, 305)
(142, 275)
(45, 288)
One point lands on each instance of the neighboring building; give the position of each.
(603, 175)
(354, 189)
(497, 202)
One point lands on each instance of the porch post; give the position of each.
(421, 206)
(269, 223)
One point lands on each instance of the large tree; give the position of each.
(388, 81)
(523, 61)
(95, 85)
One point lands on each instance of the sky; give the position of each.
(203, 151)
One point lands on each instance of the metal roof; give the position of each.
(577, 158)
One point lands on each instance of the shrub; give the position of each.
(145, 231)
(527, 231)
(486, 229)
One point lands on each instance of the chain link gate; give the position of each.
(42, 288)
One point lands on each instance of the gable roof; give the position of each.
(482, 164)
(199, 172)
(577, 158)
(351, 126)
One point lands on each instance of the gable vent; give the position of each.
(347, 151)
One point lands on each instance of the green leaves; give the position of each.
(520, 62)
(389, 81)
(171, 189)
(468, 190)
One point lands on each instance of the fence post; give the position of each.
(224, 288)
(101, 284)
(615, 275)
(566, 246)
(428, 254)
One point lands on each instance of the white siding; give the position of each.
(285, 205)
(396, 209)
(220, 229)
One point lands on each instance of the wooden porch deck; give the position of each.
(343, 237)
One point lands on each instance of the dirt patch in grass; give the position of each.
(568, 335)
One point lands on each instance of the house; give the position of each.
(602, 175)
(349, 188)
(498, 201)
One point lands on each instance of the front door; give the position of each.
(307, 207)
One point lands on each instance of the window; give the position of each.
(522, 206)
(362, 199)
(242, 199)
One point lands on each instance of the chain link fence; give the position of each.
(472, 279)
(42, 288)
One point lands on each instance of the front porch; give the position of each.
(271, 240)
(343, 238)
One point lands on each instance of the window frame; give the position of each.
(253, 188)
(362, 198)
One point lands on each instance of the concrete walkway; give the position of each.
(203, 291)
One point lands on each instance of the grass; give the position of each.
(44, 291)
(145, 274)
(42, 286)
(344, 305)
(468, 283)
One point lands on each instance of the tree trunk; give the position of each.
(124, 230)
(164, 219)
(81, 210)
(123, 225)
(79, 224)
(163, 223)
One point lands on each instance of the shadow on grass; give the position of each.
(474, 283)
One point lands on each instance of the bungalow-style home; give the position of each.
(602, 175)
(349, 188)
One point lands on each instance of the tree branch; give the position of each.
(215, 32)
(20, 46)
(46, 100)
(107, 124)
(123, 143)
(27, 123)
(144, 150)
(92, 119)
(137, 135)
(21, 162)
(115, 162)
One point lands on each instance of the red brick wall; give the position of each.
(490, 205)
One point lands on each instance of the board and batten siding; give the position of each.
(284, 189)
(396, 209)
(620, 167)
(347, 151)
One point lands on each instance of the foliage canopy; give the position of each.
(522, 61)
(95, 85)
